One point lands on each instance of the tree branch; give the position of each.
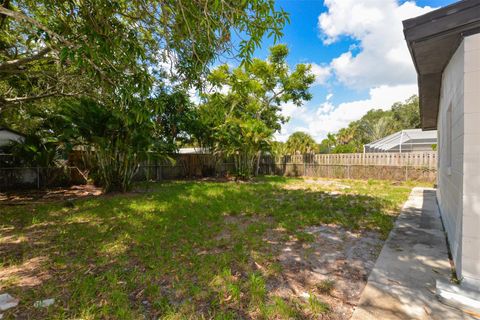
(4, 102)
(20, 16)
(23, 17)
(16, 63)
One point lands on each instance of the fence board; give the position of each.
(418, 159)
(389, 166)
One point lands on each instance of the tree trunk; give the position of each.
(259, 155)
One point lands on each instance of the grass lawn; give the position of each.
(184, 250)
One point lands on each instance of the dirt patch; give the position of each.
(329, 183)
(48, 195)
(27, 274)
(309, 183)
(335, 266)
(332, 265)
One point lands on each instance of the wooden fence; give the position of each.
(419, 166)
(387, 166)
(339, 171)
(426, 159)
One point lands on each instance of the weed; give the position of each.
(279, 308)
(326, 286)
(316, 306)
(257, 290)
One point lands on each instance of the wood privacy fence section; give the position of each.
(383, 166)
(413, 159)
(419, 166)
(364, 172)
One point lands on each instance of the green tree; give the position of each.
(278, 149)
(114, 53)
(407, 114)
(375, 130)
(301, 142)
(117, 146)
(374, 125)
(105, 48)
(113, 147)
(328, 144)
(241, 112)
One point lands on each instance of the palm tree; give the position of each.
(301, 142)
(378, 129)
(331, 141)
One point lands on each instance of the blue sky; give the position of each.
(358, 54)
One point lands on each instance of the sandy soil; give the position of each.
(48, 195)
(338, 256)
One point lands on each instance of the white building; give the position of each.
(445, 47)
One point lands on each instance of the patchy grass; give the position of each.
(183, 250)
(316, 306)
(326, 286)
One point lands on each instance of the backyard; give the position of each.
(272, 248)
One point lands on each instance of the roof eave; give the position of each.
(432, 39)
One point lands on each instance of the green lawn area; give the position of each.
(181, 250)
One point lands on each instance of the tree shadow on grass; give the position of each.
(160, 252)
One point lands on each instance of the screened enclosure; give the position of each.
(410, 140)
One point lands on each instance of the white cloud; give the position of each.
(283, 134)
(326, 107)
(322, 73)
(351, 17)
(382, 97)
(383, 57)
(330, 118)
(289, 109)
(194, 96)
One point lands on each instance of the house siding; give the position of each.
(471, 164)
(450, 160)
(459, 164)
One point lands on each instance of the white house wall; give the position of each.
(471, 181)
(459, 180)
(450, 175)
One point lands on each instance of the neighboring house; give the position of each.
(410, 140)
(8, 136)
(445, 47)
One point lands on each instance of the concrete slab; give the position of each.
(414, 257)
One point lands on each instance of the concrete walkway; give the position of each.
(402, 283)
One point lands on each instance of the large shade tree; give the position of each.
(116, 54)
(102, 48)
(241, 112)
